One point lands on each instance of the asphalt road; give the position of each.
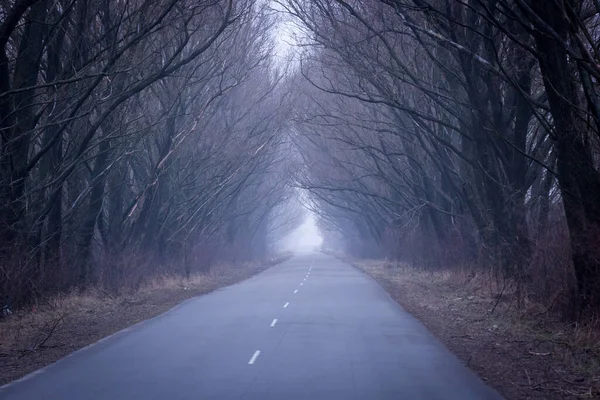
(310, 328)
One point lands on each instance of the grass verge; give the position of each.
(31, 339)
(523, 353)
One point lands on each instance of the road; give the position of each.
(310, 328)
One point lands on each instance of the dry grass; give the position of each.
(33, 338)
(516, 345)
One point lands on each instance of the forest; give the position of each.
(147, 137)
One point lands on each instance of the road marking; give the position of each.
(274, 322)
(254, 357)
(301, 283)
(286, 304)
(295, 291)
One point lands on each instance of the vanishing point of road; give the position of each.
(310, 328)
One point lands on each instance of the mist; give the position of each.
(157, 150)
(305, 237)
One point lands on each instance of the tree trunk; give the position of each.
(51, 162)
(97, 182)
(578, 179)
(17, 124)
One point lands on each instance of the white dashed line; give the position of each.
(301, 283)
(274, 322)
(295, 291)
(286, 304)
(254, 357)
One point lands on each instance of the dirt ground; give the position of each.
(522, 355)
(32, 339)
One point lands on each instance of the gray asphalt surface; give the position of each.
(337, 335)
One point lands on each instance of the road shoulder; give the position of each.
(34, 338)
(522, 357)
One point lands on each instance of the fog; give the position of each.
(175, 136)
(305, 237)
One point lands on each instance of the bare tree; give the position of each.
(464, 128)
(134, 131)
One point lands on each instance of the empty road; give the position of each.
(310, 328)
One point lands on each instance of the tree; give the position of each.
(464, 125)
(132, 133)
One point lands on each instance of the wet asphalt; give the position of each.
(310, 328)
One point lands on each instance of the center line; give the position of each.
(254, 357)
(286, 304)
(274, 322)
(295, 291)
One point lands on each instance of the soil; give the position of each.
(522, 355)
(31, 339)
